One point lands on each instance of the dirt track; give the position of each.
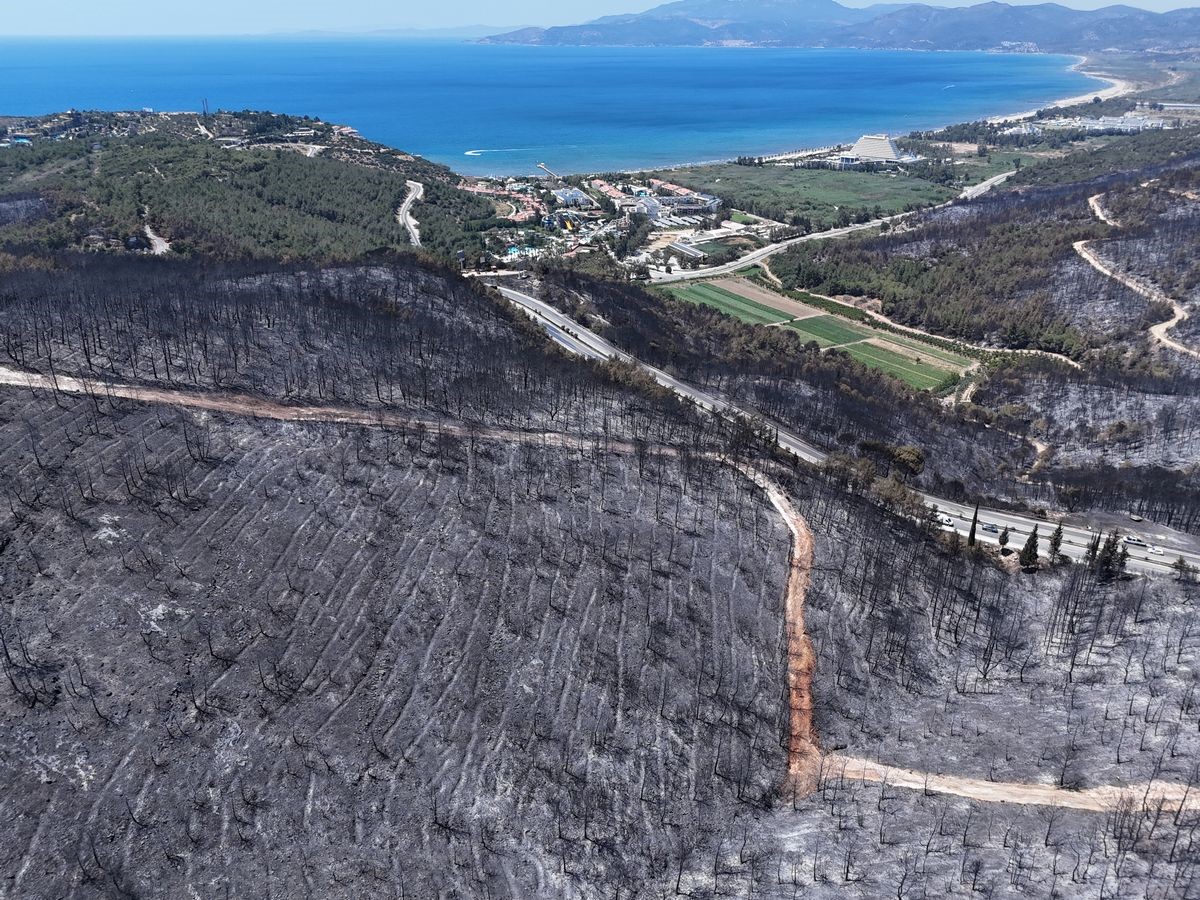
(245, 405)
(804, 756)
(1151, 292)
(806, 765)
(751, 291)
(1100, 799)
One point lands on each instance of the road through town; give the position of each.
(759, 255)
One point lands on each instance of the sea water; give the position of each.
(485, 109)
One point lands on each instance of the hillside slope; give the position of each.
(825, 23)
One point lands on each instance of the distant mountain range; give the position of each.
(457, 33)
(826, 23)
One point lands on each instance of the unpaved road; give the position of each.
(1100, 212)
(805, 763)
(1151, 292)
(804, 756)
(1101, 799)
(246, 405)
(744, 287)
(158, 244)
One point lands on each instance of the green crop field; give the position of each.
(829, 330)
(728, 303)
(919, 375)
(957, 360)
(936, 368)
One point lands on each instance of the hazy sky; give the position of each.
(83, 17)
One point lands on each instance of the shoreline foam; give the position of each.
(1117, 87)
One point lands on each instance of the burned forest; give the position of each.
(342, 574)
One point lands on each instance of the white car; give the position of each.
(1157, 550)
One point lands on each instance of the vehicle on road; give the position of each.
(991, 528)
(1157, 550)
(1134, 539)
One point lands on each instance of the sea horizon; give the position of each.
(500, 110)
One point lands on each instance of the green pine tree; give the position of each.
(1108, 561)
(1056, 540)
(1029, 553)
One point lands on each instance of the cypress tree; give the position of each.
(1029, 553)
(974, 522)
(1107, 562)
(1056, 540)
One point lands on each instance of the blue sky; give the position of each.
(88, 17)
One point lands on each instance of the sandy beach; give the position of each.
(1117, 87)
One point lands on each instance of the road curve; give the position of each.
(759, 255)
(806, 766)
(804, 754)
(1151, 292)
(416, 192)
(577, 339)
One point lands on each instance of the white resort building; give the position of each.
(874, 148)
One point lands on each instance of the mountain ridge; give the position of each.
(827, 23)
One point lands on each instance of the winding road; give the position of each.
(404, 215)
(577, 339)
(757, 256)
(806, 765)
(1151, 292)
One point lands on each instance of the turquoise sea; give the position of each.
(501, 110)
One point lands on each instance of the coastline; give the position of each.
(1117, 87)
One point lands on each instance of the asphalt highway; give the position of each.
(577, 339)
(759, 255)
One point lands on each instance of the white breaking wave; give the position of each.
(506, 150)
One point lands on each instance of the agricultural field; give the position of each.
(921, 365)
(727, 302)
(822, 197)
(829, 331)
